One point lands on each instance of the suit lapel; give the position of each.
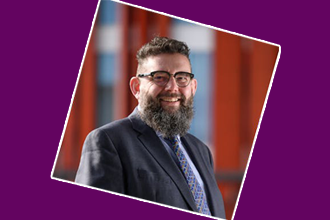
(205, 173)
(153, 144)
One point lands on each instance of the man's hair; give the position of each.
(162, 45)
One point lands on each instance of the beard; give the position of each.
(167, 123)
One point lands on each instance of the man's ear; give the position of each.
(193, 86)
(134, 84)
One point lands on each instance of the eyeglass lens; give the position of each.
(161, 78)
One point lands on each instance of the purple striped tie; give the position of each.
(195, 188)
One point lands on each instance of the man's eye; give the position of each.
(181, 78)
(160, 78)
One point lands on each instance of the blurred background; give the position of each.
(233, 75)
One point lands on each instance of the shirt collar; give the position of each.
(160, 136)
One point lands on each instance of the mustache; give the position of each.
(171, 95)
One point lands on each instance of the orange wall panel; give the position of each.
(227, 101)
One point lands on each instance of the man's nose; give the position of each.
(171, 85)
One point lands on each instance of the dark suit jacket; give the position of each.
(127, 156)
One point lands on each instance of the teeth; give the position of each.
(170, 99)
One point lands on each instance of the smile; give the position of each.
(170, 99)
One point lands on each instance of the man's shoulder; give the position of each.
(193, 138)
(115, 125)
(114, 131)
(122, 127)
(196, 143)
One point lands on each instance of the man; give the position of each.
(150, 155)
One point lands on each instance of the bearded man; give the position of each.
(150, 154)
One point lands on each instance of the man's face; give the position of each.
(167, 109)
(170, 96)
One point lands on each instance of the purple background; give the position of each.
(42, 45)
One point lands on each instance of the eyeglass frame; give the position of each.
(162, 71)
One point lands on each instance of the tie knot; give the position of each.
(173, 140)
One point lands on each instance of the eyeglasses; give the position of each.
(161, 78)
